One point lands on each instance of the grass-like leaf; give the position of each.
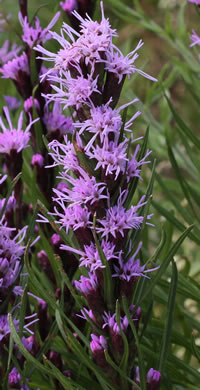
(168, 325)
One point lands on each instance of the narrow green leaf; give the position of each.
(166, 262)
(23, 311)
(183, 127)
(117, 369)
(169, 321)
(174, 221)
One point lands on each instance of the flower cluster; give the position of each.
(98, 171)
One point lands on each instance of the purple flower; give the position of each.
(90, 258)
(94, 40)
(73, 91)
(12, 102)
(69, 5)
(56, 123)
(14, 68)
(98, 343)
(194, 38)
(37, 160)
(103, 121)
(64, 155)
(11, 252)
(85, 189)
(29, 103)
(87, 286)
(7, 54)
(11, 204)
(89, 313)
(194, 1)
(14, 378)
(119, 65)
(32, 35)
(112, 158)
(153, 379)
(4, 326)
(131, 269)
(74, 216)
(118, 219)
(14, 139)
(133, 167)
(97, 346)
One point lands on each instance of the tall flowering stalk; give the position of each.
(99, 163)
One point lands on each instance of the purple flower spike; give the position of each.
(14, 379)
(153, 379)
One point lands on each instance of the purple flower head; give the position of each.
(118, 219)
(11, 204)
(32, 35)
(90, 314)
(119, 65)
(14, 378)
(14, 139)
(37, 160)
(194, 1)
(16, 67)
(98, 343)
(134, 166)
(4, 326)
(131, 270)
(56, 240)
(102, 122)
(28, 342)
(96, 34)
(64, 155)
(74, 216)
(94, 40)
(28, 104)
(112, 158)
(87, 286)
(73, 92)
(194, 38)
(69, 5)
(56, 123)
(11, 252)
(85, 189)
(153, 379)
(7, 54)
(110, 321)
(90, 258)
(12, 102)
